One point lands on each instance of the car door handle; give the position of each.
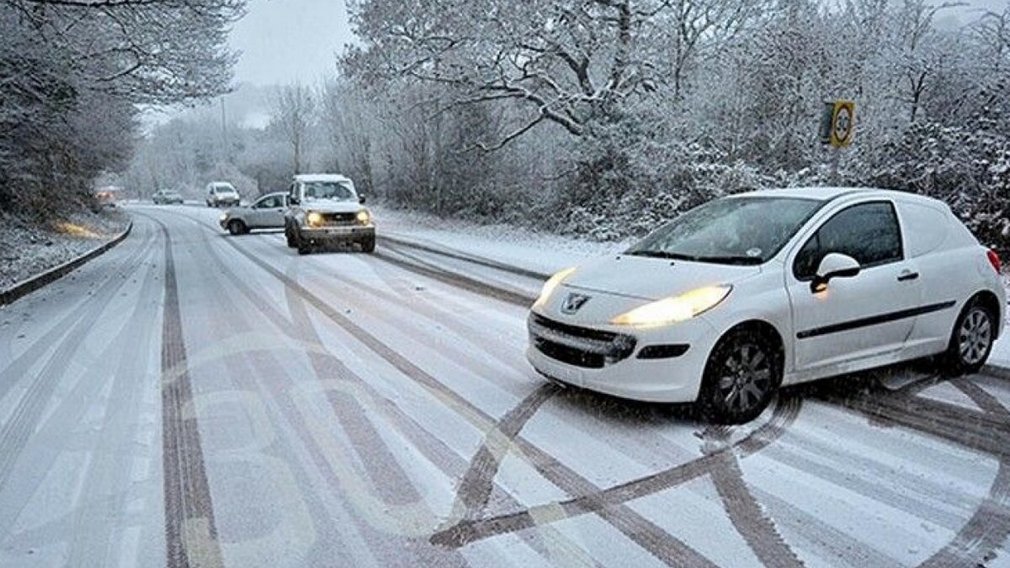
(907, 275)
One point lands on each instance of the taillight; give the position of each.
(994, 261)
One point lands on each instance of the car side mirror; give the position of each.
(293, 201)
(834, 265)
(361, 199)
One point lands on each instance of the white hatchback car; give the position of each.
(750, 292)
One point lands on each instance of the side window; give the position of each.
(867, 232)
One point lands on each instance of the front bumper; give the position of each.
(656, 365)
(346, 234)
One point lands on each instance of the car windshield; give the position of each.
(328, 190)
(739, 230)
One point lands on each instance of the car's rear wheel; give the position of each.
(237, 227)
(741, 376)
(972, 338)
(368, 245)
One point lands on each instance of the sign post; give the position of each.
(837, 128)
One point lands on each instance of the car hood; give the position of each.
(652, 278)
(331, 206)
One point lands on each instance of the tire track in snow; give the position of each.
(23, 421)
(636, 527)
(645, 533)
(190, 531)
(976, 542)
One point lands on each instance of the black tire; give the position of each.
(741, 375)
(236, 227)
(302, 245)
(971, 339)
(368, 245)
(292, 243)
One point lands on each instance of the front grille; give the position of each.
(579, 346)
(570, 355)
(339, 218)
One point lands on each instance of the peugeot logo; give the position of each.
(573, 303)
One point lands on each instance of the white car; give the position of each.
(267, 212)
(758, 290)
(222, 194)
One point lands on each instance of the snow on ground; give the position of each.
(27, 250)
(515, 246)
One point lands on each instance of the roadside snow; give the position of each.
(1000, 356)
(515, 246)
(27, 250)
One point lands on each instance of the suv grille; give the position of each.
(339, 218)
(579, 346)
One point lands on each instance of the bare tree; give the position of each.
(294, 110)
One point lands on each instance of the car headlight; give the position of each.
(552, 284)
(224, 216)
(315, 219)
(674, 308)
(364, 217)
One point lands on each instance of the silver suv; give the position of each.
(324, 209)
(222, 194)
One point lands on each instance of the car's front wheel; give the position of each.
(368, 244)
(236, 227)
(303, 245)
(972, 338)
(741, 376)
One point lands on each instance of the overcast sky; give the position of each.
(287, 40)
(283, 41)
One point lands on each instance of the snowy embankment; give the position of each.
(27, 250)
(535, 251)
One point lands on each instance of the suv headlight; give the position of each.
(364, 217)
(314, 219)
(674, 308)
(551, 285)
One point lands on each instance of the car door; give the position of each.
(858, 317)
(270, 212)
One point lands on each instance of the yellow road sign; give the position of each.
(843, 123)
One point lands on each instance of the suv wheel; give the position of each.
(289, 236)
(368, 244)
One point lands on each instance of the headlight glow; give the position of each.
(364, 217)
(314, 219)
(224, 216)
(674, 308)
(552, 285)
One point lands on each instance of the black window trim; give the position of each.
(897, 222)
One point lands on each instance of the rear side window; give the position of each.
(867, 232)
(926, 227)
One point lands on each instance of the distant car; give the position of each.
(106, 196)
(167, 197)
(325, 209)
(750, 292)
(267, 212)
(222, 194)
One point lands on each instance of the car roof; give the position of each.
(831, 193)
(321, 177)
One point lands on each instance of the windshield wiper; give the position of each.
(661, 254)
(741, 260)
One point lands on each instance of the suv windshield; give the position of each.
(328, 190)
(740, 230)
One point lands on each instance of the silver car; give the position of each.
(267, 212)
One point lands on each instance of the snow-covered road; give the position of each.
(196, 399)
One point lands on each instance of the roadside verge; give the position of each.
(33, 283)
